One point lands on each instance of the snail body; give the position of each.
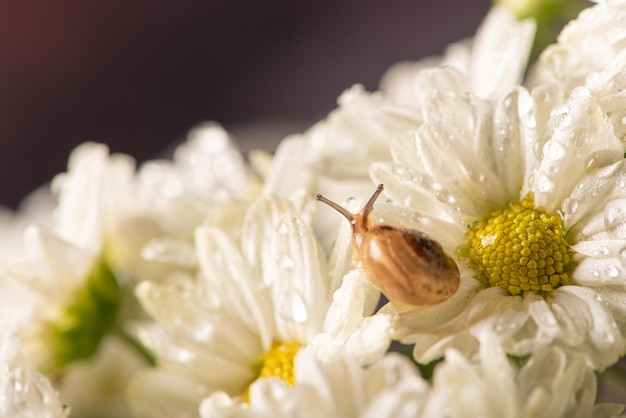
(406, 265)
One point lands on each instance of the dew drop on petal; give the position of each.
(599, 159)
(541, 93)
(563, 119)
(543, 183)
(612, 272)
(426, 182)
(622, 256)
(444, 196)
(615, 219)
(286, 262)
(293, 308)
(553, 150)
(530, 122)
(569, 206)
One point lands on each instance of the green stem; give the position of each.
(136, 345)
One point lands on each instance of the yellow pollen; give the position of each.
(276, 362)
(520, 249)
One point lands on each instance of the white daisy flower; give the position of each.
(591, 52)
(549, 384)
(73, 296)
(527, 198)
(250, 310)
(206, 182)
(335, 387)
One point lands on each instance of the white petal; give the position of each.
(587, 323)
(221, 405)
(592, 271)
(259, 224)
(223, 268)
(300, 290)
(578, 128)
(584, 207)
(448, 234)
(514, 139)
(412, 188)
(293, 156)
(500, 53)
(156, 393)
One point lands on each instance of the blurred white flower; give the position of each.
(335, 387)
(25, 393)
(69, 295)
(553, 382)
(550, 384)
(206, 182)
(248, 313)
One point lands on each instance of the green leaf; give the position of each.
(77, 332)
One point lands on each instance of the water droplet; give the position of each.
(398, 170)
(444, 196)
(508, 102)
(477, 176)
(595, 273)
(548, 319)
(292, 307)
(283, 229)
(426, 182)
(416, 217)
(541, 93)
(408, 200)
(543, 183)
(563, 118)
(530, 121)
(553, 150)
(612, 272)
(286, 262)
(622, 257)
(569, 206)
(600, 159)
(615, 219)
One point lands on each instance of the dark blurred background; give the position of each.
(139, 74)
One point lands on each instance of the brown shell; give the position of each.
(409, 267)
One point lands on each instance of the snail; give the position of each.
(410, 268)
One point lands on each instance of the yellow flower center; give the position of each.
(276, 362)
(520, 249)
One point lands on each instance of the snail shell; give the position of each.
(406, 265)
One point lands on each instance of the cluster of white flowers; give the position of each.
(209, 285)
